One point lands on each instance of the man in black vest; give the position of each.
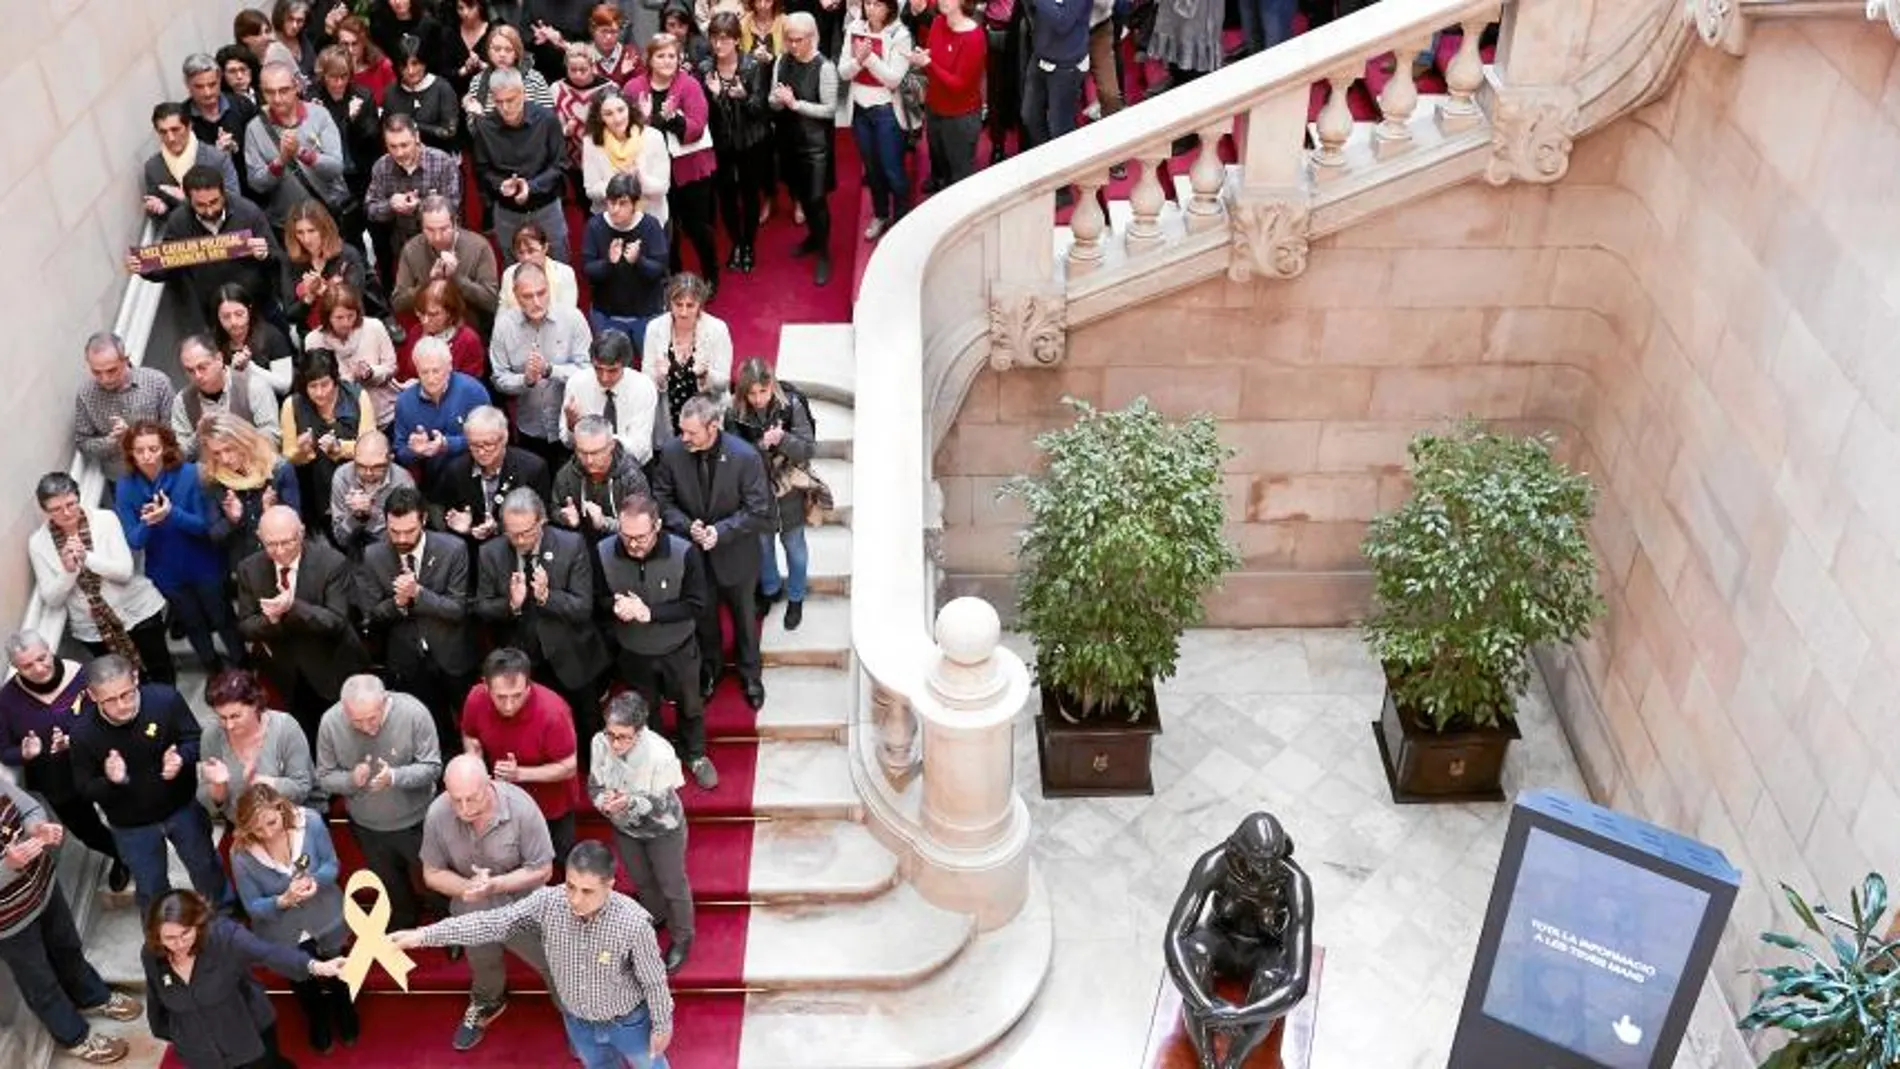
(536, 588)
(412, 587)
(213, 387)
(805, 101)
(712, 491)
(652, 586)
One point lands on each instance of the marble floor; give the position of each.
(1274, 720)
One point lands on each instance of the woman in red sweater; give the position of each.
(441, 314)
(953, 58)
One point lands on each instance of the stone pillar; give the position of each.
(973, 857)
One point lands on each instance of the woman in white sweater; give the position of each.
(83, 566)
(875, 59)
(616, 142)
(689, 350)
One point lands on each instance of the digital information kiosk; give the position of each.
(1600, 930)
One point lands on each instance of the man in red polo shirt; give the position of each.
(525, 734)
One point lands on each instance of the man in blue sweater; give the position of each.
(1058, 63)
(427, 430)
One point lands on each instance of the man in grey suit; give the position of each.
(712, 492)
(536, 588)
(412, 587)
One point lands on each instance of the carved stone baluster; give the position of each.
(1334, 126)
(1397, 101)
(896, 734)
(1463, 77)
(1207, 176)
(1147, 198)
(1088, 224)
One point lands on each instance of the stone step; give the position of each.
(805, 861)
(892, 941)
(805, 703)
(948, 1019)
(802, 778)
(837, 475)
(829, 570)
(820, 359)
(823, 638)
(836, 428)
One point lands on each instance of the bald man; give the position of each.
(359, 489)
(484, 846)
(294, 609)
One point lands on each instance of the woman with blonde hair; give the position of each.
(315, 259)
(506, 52)
(365, 355)
(688, 350)
(776, 420)
(285, 868)
(243, 476)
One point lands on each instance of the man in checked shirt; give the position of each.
(602, 959)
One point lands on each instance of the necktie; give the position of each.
(409, 565)
(611, 413)
(283, 577)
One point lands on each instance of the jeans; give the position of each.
(550, 217)
(1050, 99)
(634, 327)
(614, 1044)
(189, 831)
(48, 961)
(1267, 22)
(881, 145)
(797, 562)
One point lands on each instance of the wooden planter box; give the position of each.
(1097, 759)
(1422, 765)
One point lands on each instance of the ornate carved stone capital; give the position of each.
(1028, 328)
(1531, 135)
(896, 735)
(1887, 11)
(1269, 237)
(1721, 24)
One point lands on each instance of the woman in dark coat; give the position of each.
(200, 994)
(776, 420)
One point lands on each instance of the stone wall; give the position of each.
(1705, 311)
(80, 79)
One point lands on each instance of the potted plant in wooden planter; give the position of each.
(1488, 557)
(1124, 538)
(1839, 1003)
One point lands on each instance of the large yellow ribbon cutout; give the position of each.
(372, 935)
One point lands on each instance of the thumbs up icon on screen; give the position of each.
(1627, 1032)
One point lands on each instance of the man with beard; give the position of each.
(207, 212)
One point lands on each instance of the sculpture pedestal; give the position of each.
(1290, 1047)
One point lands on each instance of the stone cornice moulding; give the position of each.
(1725, 24)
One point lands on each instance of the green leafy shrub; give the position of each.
(1839, 1006)
(1123, 541)
(1488, 557)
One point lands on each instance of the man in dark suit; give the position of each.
(472, 486)
(412, 587)
(536, 588)
(294, 606)
(712, 491)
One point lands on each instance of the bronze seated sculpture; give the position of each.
(1246, 915)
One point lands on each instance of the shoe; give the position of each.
(475, 1024)
(732, 259)
(709, 680)
(794, 615)
(676, 956)
(119, 1007)
(1065, 198)
(754, 693)
(876, 229)
(822, 274)
(996, 151)
(745, 260)
(349, 1028)
(1118, 172)
(798, 214)
(807, 247)
(118, 878)
(100, 1050)
(763, 602)
(454, 952)
(765, 213)
(704, 773)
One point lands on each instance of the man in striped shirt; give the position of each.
(602, 959)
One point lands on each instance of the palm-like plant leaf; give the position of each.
(1841, 1005)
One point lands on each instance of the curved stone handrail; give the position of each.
(980, 267)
